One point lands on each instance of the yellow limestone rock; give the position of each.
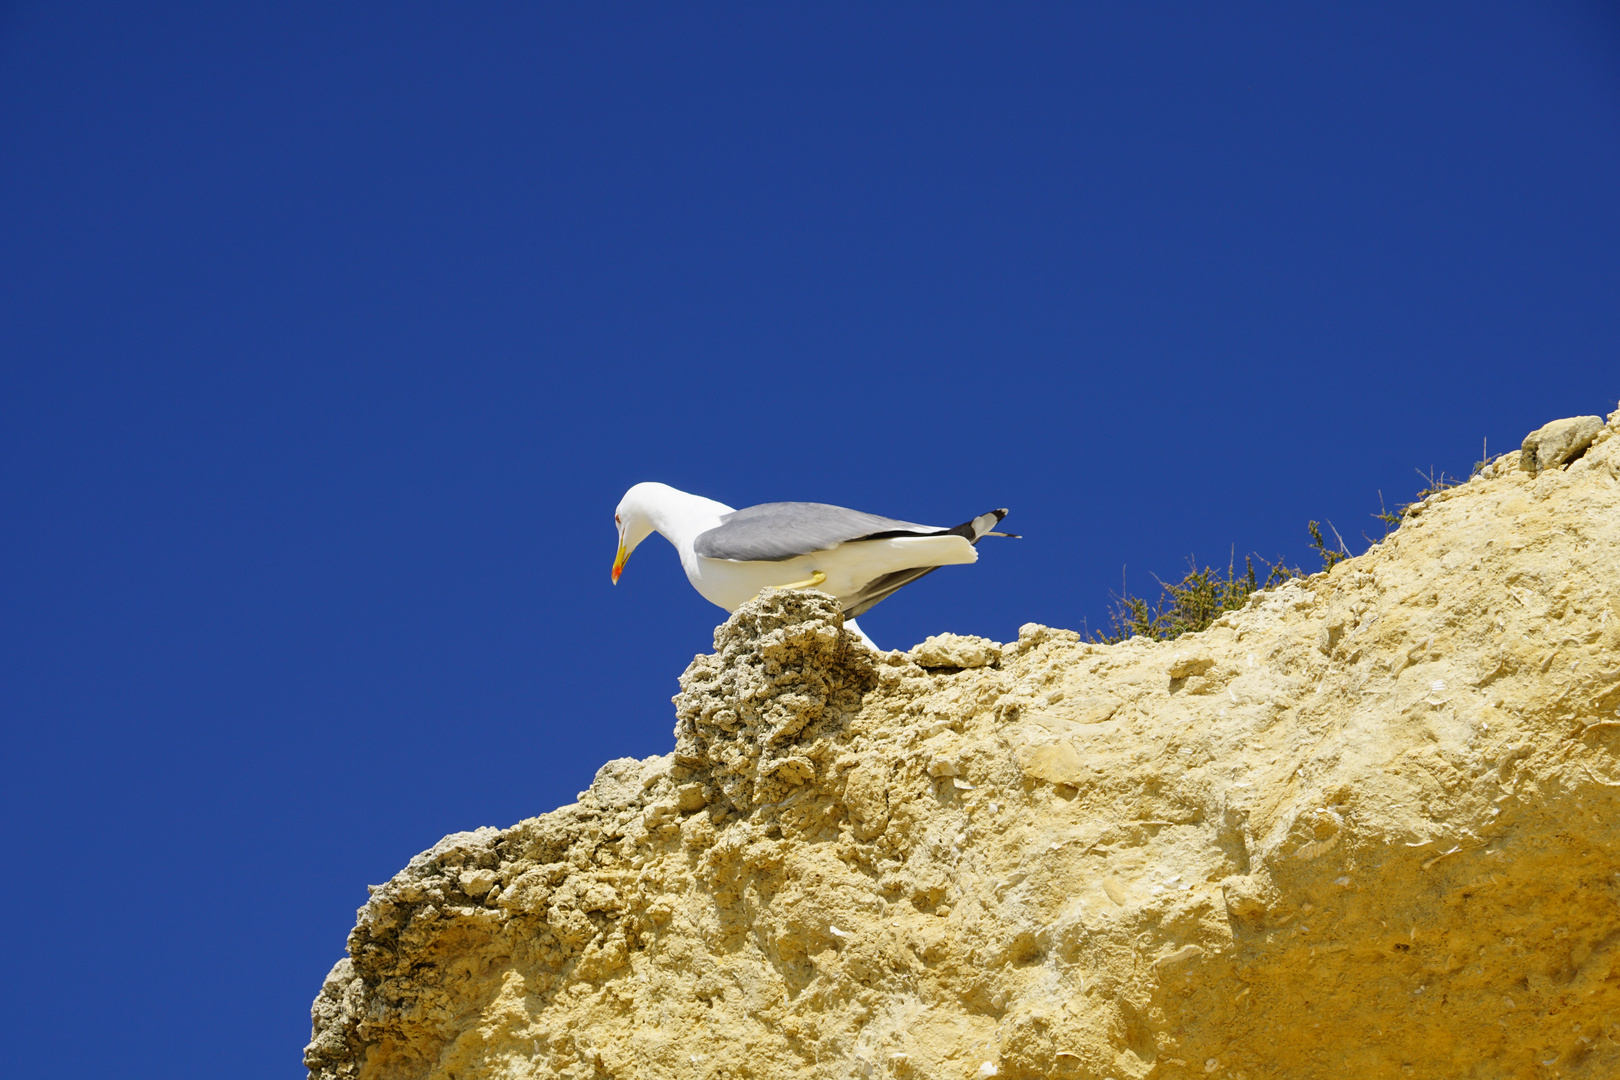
(1561, 441)
(1365, 827)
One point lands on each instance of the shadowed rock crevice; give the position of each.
(1365, 826)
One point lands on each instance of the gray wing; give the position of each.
(772, 532)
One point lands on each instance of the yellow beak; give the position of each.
(618, 563)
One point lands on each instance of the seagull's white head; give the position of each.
(634, 518)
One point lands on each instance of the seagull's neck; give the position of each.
(681, 518)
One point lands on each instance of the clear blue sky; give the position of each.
(330, 336)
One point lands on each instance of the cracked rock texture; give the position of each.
(1364, 827)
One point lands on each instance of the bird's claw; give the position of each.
(816, 578)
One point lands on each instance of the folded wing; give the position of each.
(772, 532)
(775, 532)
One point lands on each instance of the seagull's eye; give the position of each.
(616, 520)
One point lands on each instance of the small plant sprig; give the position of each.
(1433, 483)
(1330, 556)
(1390, 518)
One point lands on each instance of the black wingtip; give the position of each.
(999, 515)
(970, 529)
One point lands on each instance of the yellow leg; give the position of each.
(816, 578)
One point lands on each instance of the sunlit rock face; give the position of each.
(1364, 827)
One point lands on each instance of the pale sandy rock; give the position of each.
(1364, 827)
(956, 651)
(1189, 662)
(1551, 445)
(753, 717)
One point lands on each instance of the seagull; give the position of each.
(730, 555)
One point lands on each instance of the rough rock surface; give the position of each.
(750, 716)
(1559, 442)
(1364, 827)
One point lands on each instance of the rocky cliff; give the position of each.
(1366, 826)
